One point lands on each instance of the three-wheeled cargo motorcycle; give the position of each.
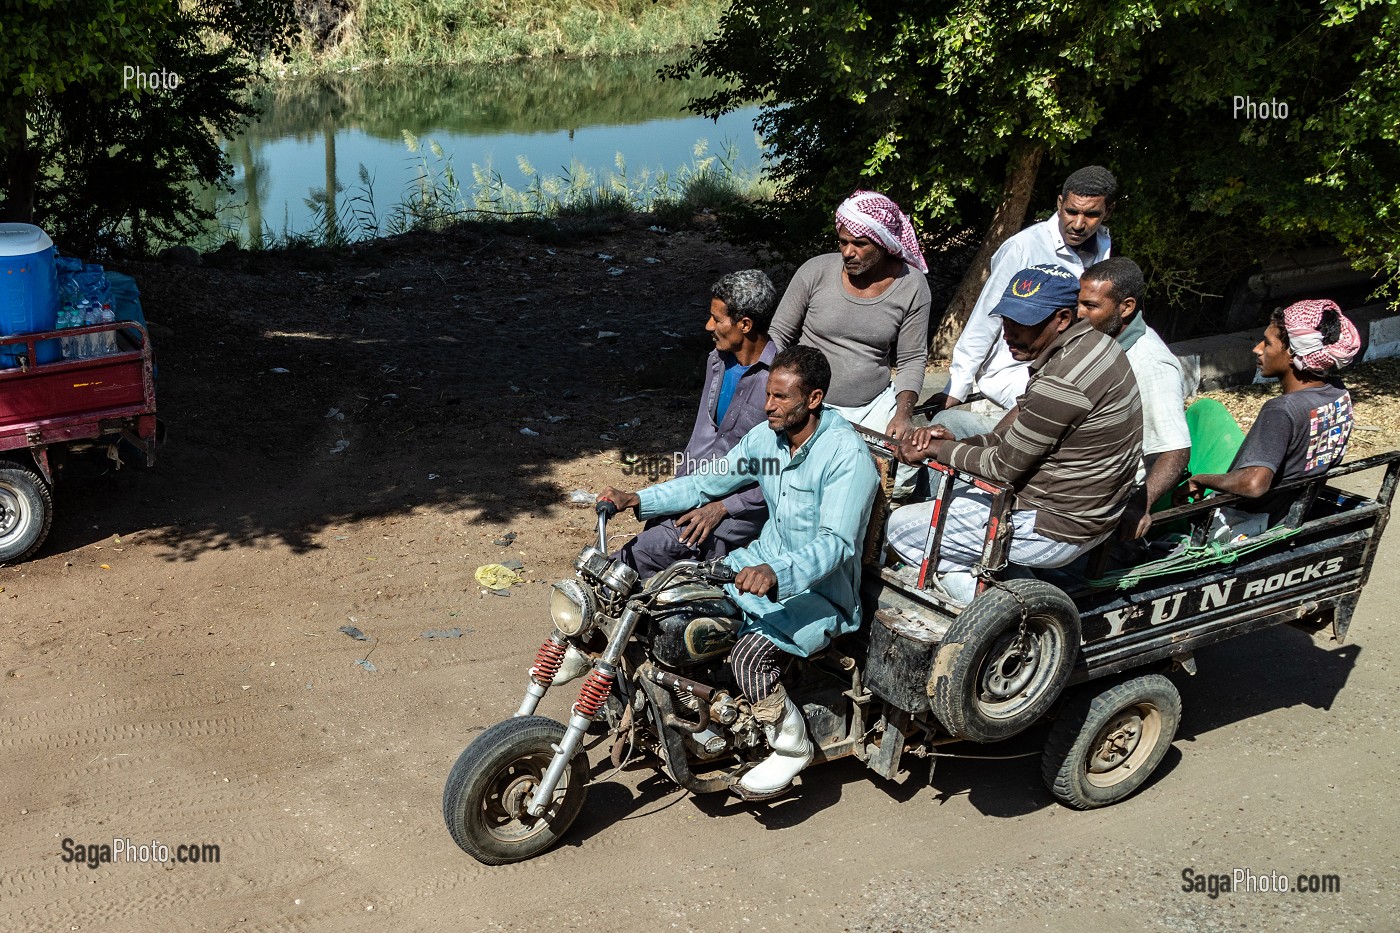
(1090, 648)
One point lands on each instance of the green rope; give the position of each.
(1192, 557)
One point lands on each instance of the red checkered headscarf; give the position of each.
(869, 214)
(1305, 339)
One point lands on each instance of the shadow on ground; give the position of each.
(462, 372)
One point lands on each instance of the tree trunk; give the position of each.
(1006, 221)
(19, 172)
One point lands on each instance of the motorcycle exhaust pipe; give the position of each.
(701, 692)
(673, 750)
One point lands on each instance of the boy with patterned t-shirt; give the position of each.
(1305, 430)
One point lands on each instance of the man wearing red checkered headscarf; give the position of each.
(865, 307)
(873, 216)
(1305, 430)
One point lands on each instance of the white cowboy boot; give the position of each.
(574, 666)
(786, 732)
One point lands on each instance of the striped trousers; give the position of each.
(757, 665)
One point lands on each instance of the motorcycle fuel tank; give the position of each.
(694, 623)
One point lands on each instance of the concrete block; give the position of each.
(1225, 360)
(1217, 362)
(1380, 332)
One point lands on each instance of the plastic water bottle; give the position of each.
(107, 340)
(64, 342)
(68, 297)
(75, 319)
(88, 342)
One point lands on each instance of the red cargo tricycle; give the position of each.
(99, 400)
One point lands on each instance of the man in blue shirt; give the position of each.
(741, 305)
(798, 584)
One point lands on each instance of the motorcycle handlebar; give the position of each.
(606, 509)
(718, 572)
(711, 570)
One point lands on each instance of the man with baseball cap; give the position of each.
(1070, 450)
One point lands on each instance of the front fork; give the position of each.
(591, 697)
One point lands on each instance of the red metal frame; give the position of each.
(73, 400)
(993, 546)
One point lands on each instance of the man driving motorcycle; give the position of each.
(798, 585)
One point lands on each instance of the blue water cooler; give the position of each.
(28, 291)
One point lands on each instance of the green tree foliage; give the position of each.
(101, 157)
(1212, 191)
(963, 110)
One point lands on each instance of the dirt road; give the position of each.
(174, 671)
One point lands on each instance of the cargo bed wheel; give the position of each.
(1105, 743)
(990, 679)
(26, 511)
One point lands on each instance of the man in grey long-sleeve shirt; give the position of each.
(736, 379)
(865, 307)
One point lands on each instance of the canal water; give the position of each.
(610, 119)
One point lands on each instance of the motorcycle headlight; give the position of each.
(572, 607)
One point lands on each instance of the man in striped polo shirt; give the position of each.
(1070, 450)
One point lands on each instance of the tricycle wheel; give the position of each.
(1105, 744)
(491, 783)
(993, 677)
(26, 511)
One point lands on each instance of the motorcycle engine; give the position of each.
(731, 725)
(708, 743)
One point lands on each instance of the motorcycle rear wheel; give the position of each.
(493, 779)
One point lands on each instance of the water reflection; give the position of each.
(314, 135)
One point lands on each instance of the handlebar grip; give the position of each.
(606, 508)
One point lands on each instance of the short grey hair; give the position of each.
(747, 294)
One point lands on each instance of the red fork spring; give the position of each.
(594, 693)
(547, 661)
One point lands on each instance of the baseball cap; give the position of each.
(1036, 293)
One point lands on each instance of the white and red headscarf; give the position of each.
(870, 214)
(1310, 354)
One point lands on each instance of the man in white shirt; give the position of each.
(1075, 238)
(1109, 296)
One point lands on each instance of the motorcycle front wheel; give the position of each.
(492, 782)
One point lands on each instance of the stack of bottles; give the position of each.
(84, 299)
